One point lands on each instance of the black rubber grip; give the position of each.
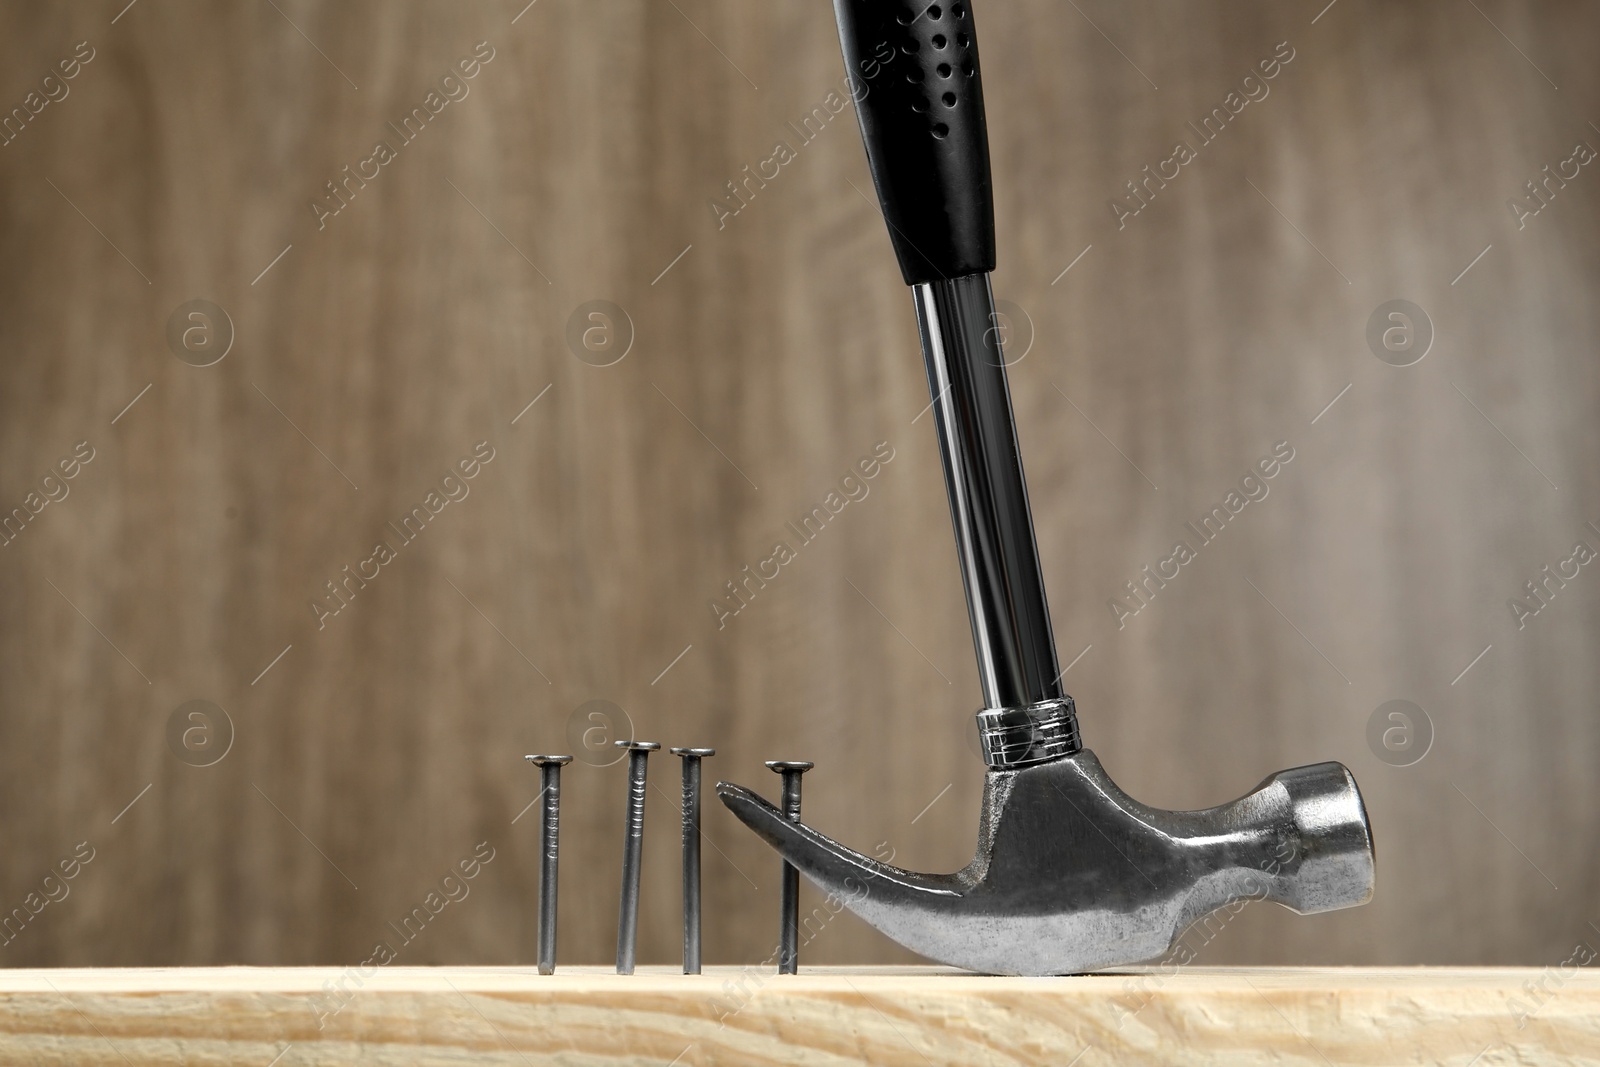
(913, 69)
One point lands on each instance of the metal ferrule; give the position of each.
(1017, 737)
(1027, 716)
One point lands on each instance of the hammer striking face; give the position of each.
(1070, 874)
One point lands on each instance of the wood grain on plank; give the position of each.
(834, 1016)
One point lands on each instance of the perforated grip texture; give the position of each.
(918, 92)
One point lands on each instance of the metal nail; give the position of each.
(789, 930)
(691, 854)
(632, 849)
(549, 844)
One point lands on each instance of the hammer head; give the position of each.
(1071, 874)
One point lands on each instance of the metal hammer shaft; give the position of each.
(1028, 718)
(988, 497)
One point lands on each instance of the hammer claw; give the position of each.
(841, 871)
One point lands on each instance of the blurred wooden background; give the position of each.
(767, 356)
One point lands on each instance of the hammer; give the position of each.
(1070, 874)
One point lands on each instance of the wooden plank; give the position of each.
(882, 1016)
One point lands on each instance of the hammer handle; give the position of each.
(913, 68)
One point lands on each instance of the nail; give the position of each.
(691, 854)
(632, 848)
(549, 844)
(789, 930)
